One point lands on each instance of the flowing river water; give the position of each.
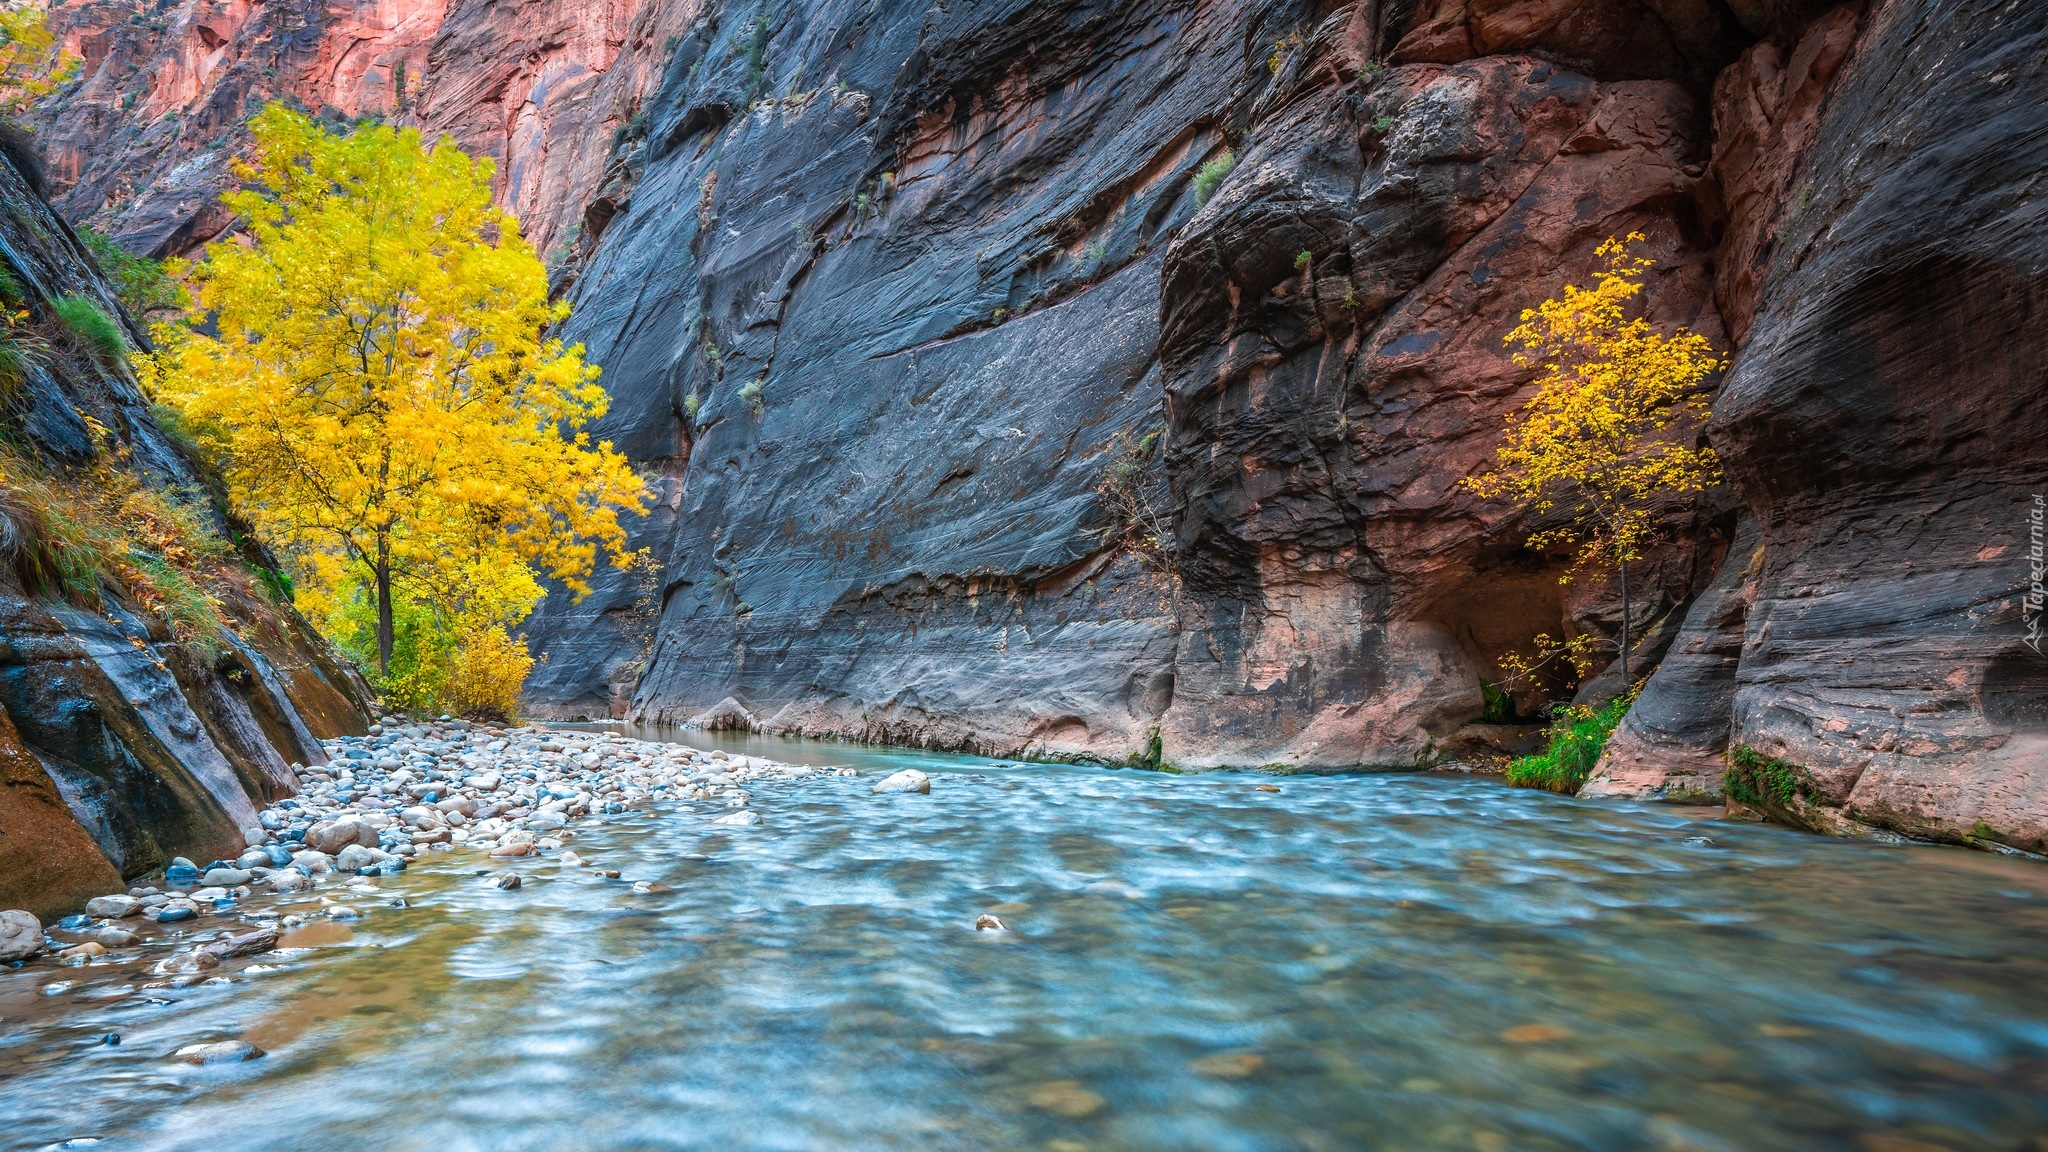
(1376, 962)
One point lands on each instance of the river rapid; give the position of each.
(1367, 962)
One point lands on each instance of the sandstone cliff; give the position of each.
(909, 305)
(140, 146)
(120, 745)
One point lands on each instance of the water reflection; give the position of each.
(1384, 963)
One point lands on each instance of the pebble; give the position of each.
(1066, 1098)
(988, 923)
(410, 790)
(219, 1052)
(908, 780)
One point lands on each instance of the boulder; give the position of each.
(908, 780)
(21, 935)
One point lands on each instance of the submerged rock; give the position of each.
(908, 780)
(218, 1052)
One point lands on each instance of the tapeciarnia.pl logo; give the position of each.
(2037, 566)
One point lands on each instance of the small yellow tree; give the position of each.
(31, 64)
(1595, 441)
(381, 389)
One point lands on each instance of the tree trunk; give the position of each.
(1624, 624)
(384, 628)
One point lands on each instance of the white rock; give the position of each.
(220, 1052)
(21, 935)
(743, 816)
(113, 907)
(908, 780)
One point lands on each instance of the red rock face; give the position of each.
(1351, 595)
(140, 148)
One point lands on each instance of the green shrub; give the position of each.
(750, 394)
(143, 285)
(1577, 737)
(91, 327)
(1762, 781)
(1210, 176)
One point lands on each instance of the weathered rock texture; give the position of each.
(911, 307)
(140, 146)
(122, 746)
(1888, 424)
(892, 290)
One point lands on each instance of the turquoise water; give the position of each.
(1389, 962)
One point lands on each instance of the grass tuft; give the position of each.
(1210, 176)
(91, 327)
(1577, 737)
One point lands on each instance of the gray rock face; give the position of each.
(894, 341)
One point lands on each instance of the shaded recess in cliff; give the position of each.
(1888, 425)
(124, 745)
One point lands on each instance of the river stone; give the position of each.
(80, 953)
(21, 935)
(508, 881)
(743, 816)
(219, 1052)
(290, 880)
(173, 915)
(226, 878)
(355, 858)
(181, 875)
(243, 944)
(908, 780)
(332, 836)
(113, 907)
(546, 822)
(279, 855)
(114, 937)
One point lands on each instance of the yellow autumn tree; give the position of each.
(375, 377)
(1596, 441)
(31, 64)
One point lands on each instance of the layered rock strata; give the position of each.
(123, 745)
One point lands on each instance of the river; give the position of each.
(1376, 962)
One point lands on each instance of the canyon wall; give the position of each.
(1097, 380)
(140, 146)
(120, 744)
(897, 289)
(1887, 427)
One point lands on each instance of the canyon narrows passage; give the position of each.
(1185, 963)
